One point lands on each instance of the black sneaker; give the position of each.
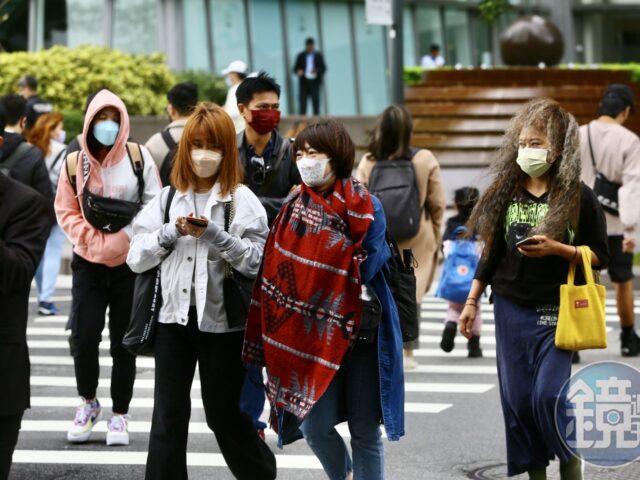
(629, 344)
(474, 347)
(448, 334)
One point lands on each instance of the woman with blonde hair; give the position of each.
(49, 136)
(195, 247)
(390, 140)
(531, 219)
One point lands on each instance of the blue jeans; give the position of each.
(49, 267)
(253, 395)
(355, 392)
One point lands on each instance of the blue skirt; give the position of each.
(531, 372)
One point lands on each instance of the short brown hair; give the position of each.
(331, 138)
(209, 126)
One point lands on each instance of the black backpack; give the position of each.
(394, 183)
(20, 152)
(167, 163)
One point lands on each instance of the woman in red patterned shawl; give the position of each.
(322, 317)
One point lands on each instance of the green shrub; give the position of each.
(73, 123)
(67, 75)
(210, 87)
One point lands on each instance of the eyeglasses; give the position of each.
(260, 170)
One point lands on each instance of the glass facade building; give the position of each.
(267, 34)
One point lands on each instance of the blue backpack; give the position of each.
(459, 269)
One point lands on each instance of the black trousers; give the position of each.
(310, 88)
(9, 428)
(96, 286)
(177, 349)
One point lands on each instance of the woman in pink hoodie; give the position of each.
(99, 193)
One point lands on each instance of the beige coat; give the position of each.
(426, 243)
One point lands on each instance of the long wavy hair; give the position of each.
(40, 134)
(561, 129)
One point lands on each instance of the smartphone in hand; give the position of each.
(198, 222)
(527, 241)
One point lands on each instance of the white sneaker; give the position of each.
(410, 363)
(87, 415)
(117, 430)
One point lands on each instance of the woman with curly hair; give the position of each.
(536, 196)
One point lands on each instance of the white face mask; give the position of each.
(205, 162)
(312, 171)
(533, 161)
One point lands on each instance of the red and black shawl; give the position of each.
(305, 310)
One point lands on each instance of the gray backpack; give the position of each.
(394, 183)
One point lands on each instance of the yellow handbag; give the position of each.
(581, 320)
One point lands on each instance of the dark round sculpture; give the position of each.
(530, 40)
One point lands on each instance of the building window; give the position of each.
(85, 22)
(135, 24)
(429, 30)
(196, 43)
(14, 25)
(265, 23)
(339, 84)
(302, 23)
(373, 84)
(228, 23)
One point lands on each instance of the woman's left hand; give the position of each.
(546, 246)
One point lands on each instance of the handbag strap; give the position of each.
(585, 253)
(167, 207)
(593, 158)
(229, 212)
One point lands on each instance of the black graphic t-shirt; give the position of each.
(536, 281)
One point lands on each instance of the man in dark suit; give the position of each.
(24, 227)
(310, 68)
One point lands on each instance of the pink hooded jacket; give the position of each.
(90, 243)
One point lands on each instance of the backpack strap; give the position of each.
(71, 164)
(17, 154)
(134, 151)
(168, 139)
(57, 159)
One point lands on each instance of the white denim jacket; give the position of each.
(242, 247)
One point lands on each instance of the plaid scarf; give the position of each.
(305, 310)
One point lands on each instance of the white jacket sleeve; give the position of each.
(145, 251)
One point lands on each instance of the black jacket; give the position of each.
(318, 64)
(30, 169)
(24, 228)
(282, 174)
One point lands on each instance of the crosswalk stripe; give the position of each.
(52, 319)
(438, 326)
(484, 339)
(40, 381)
(105, 457)
(57, 298)
(141, 362)
(455, 369)
(610, 317)
(136, 402)
(448, 387)
(137, 426)
(436, 352)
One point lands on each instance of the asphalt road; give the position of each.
(454, 426)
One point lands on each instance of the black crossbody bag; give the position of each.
(147, 301)
(606, 191)
(236, 287)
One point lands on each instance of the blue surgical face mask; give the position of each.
(106, 132)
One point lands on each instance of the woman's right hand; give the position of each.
(466, 319)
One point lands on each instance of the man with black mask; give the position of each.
(270, 170)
